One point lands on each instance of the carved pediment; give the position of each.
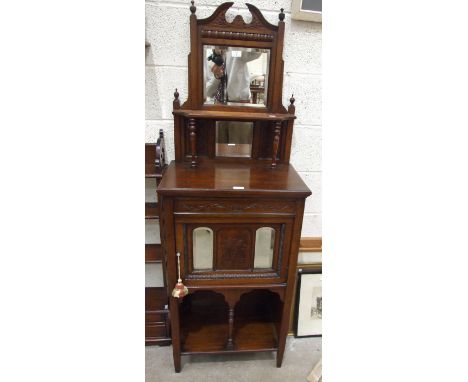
(218, 20)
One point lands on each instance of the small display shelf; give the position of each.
(235, 115)
(205, 323)
(256, 321)
(153, 253)
(151, 211)
(204, 327)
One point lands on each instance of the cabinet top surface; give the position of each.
(234, 179)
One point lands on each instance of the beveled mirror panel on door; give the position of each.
(202, 249)
(234, 139)
(231, 250)
(264, 247)
(235, 76)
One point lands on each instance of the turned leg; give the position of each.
(193, 140)
(276, 143)
(230, 344)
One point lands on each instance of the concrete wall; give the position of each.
(167, 32)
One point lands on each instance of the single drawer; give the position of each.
(230, 206)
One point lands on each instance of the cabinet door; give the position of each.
(233, 251)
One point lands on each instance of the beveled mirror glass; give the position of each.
(235, 76)
(234, 139)
(202, 248)
(264, 247)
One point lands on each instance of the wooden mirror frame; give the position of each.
(216, 30)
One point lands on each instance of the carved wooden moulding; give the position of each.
(209, 33)
(258, 22)
(229, 206)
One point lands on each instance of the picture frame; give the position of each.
(308, 307)
(307, 10)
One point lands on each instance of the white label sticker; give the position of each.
(236, 53)
(238, 187)
(231, 144)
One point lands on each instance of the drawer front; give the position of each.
(156, 331)
(230, 206)
(155, 318)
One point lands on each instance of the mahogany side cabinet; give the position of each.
(231, 205)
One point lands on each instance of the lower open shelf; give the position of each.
(204, 318)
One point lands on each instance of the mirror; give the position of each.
(234, 139)
(264, 247)
(235, 76)
(202, 248)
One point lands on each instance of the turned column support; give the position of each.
(193, 141)
(230, 344)
(276, 140)
(231, 297)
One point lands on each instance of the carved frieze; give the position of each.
(225, 206)
(232, 35)
(220, 276)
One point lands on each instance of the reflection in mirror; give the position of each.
(264, 245)
(202, 248)
(235, 76)
(234, 139)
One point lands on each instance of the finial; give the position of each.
(176, 102)
(291, 107)
(281, 15)
(193, 8)
(161, 133)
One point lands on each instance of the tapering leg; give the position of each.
(281, 346)
(175, 331)
(193, 140)
(279, 357)
(276, 143)
(283, 330)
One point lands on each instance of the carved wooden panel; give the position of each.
(258, 24)
(234, 248)
(235, 206)
(236, 35)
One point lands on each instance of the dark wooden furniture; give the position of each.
(157, 323)
(235, 221)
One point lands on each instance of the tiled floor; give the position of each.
(300, 357)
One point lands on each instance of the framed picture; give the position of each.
(308, 310)
(307, 10)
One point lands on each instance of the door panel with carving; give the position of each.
(238, 252)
